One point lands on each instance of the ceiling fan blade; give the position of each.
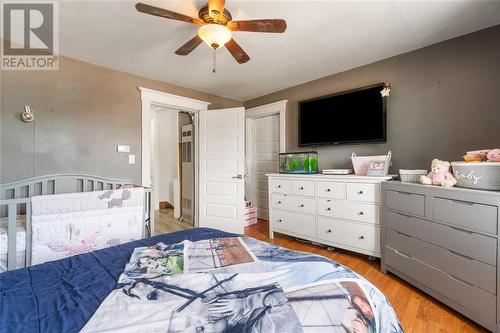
(237, 52)
(156, 11)
(189, 46)
(258, 25)
(215, 8)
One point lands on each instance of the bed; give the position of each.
(203, 280)
(16, 232)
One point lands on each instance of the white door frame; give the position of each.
(149, 98)
(270, 109)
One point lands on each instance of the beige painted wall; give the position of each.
(82, 112)
(445, 101)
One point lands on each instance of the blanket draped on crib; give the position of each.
(68, 224)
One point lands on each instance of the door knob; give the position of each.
(237, 177)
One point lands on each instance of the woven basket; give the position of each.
(411, 176)
(361, 163)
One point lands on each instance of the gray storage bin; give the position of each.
(479, 175)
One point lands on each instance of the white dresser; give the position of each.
(340, 211)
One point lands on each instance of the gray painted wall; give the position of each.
(82, 112)
(445, 100)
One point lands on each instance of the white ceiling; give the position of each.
(323, 38)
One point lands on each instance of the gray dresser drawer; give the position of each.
(470, 270)
(469, 244)
(469, 215)
(405, 202)
(470, 297)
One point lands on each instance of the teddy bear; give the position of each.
(494, 155)
(440, 174)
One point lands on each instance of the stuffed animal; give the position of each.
(476, 155)
(440, 174)
(494, 155)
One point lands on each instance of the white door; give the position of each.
(266, 146)
(222, 164)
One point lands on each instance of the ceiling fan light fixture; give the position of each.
(214, 35)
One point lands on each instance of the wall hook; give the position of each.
(27, 116)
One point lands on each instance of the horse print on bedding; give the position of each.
(270, 289)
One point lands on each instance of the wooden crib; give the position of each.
(15, 199)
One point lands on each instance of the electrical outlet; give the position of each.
(123, 149)
(131, 159)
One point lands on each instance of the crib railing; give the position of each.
(13, 206)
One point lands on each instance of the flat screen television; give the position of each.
(354, 116)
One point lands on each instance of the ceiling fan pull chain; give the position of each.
(214, 61)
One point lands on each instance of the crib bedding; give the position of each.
(193, 280)
(20, 241)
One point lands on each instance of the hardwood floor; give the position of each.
(165, 222)
(417, 311)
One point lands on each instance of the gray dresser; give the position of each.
(445, 242)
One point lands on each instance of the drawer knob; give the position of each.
(280, 220)
(329, 231)
(301, 205)
(279, 186)
(361, 237)
(328, 190)
(279, 202)
(361, 213)
(301, 188)
(360, 192)
(329, 208)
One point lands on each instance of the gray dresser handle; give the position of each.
(461, 255)
(405, 215)
(460, 230)
(403, 234)
(405, 193)
(460, 280)
(460, 202)
(402, 254)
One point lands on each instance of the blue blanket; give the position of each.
(62, 295)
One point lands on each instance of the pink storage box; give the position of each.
(360, 164)
(250, 215)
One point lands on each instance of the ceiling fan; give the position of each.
(216, 25)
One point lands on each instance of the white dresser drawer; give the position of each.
(303, 187)
(280, 186)
(361, 236)
(292, 222)
(349, 210)
(363, 192)
(333, 190)
(294, 203)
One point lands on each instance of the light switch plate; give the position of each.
(131, 159)
(123, 149)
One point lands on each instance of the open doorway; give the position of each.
(265, 138)
(172, 168)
